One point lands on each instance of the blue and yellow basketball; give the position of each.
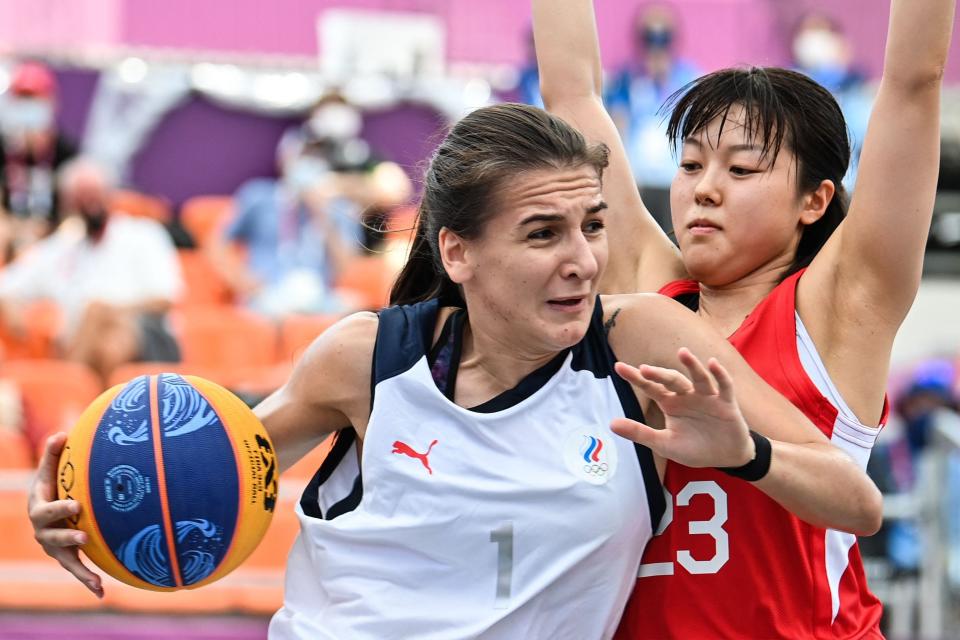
(177, 479)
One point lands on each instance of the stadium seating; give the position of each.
(55, 393)
(204, 216)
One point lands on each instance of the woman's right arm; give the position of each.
(328, 389)
(642, 257)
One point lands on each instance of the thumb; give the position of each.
(50, 460)
(639, 433)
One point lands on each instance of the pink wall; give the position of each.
(727, 31)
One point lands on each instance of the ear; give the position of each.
(453, 255)
(815, 202)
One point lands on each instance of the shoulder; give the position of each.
(644, 326)
(344, 347)
(334, 372)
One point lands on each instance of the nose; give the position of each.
(706, 192)
(580, 261)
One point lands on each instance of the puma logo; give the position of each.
(405, 449)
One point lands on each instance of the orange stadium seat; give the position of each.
(54, 392)
(203, 284)
(369, 278)
(15, 450)
(142, 205)
(401, 222)
(205, 216)
(42, 321)
(225, 339)
(127, 372)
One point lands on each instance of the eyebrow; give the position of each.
(733, 148)
(556, 217)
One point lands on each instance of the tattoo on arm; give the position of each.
(611, 323)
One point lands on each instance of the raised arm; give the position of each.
(806, 469)
(642, 258)
(876, 256)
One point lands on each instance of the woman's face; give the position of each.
(735, 213)
(533, 273)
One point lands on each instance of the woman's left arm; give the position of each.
(874, 260)
(807, 475)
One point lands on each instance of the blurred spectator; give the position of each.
(822, 51)
(927, 398)
(114, 277)
(31, 150)
(528, 82)
(635, 96)
(302, 230)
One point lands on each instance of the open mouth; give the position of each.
(568, 304)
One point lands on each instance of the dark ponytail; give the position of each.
(468, 170)
(421, 278)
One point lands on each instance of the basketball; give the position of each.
(177, 480)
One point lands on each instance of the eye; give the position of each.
(594, 226)
(741, 171)
(689, 165)
(541, 234)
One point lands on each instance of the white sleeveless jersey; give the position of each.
(526, 520)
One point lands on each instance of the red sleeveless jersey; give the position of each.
(729, 562)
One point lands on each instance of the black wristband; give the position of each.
(756, 468)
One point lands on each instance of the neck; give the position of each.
(726, 306)
(493, 364)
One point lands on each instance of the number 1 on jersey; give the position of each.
(503, 536)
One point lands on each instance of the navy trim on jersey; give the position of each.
(402, 338)
(310, 500)
(595, 355)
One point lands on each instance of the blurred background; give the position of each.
(249, 172)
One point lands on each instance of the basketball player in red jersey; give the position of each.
(810, 292)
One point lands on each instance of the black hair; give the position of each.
(781, 108)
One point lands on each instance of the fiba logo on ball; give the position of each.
(124, 488)
(590, 455)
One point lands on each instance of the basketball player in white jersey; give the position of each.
(479, 491)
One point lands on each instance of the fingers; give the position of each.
(724, 380)
(702, 380)
(51, 455)
(60, 538)
(44, 513)
(69, 559)
(639, 433)
(650, 377)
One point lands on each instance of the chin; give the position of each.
(568, 334)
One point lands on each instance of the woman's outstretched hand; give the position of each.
(48, 515)
(703, 426)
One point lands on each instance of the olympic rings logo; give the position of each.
(599, 470)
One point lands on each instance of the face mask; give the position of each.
(816, 49)
(27, 115)
(657, 37)
(305, 172)
(335, 121)
(95, 219)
